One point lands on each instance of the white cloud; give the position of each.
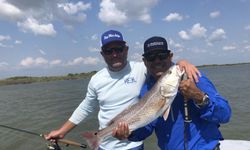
(247, 47)
(72, 13)
(138, 45)
(4, 38)
(228, 48)
(91, 61)
(214, 14)
(74, 41)
(136, 57)
(80, 18)
(42, 52)
(27, 62)
(173, 17)
(45, 12)
(217, 35)
(84, 60)
(72, 8)
(94, 37)
(110, 14)
(41, 61)
(245, 41)
(55, 62)
(183, 35)
(68, 27)
(247, 27)
(2, 45)
(146, 18)
(34, 26)
(18, 42)
(93, 49)
(198, 31)
(176, 46)
(120, 12)
(9, 11)
(3, 64)
(5, 46)
(30, 62)
(198, 50)
(76, 61)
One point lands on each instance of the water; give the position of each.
(41, 107)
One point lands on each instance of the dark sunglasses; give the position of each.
(160, 56)
(109, 51)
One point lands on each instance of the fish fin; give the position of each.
(92, 139)
(165, 114)
(179, 70)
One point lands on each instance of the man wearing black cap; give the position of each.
(155, 56)
(207, 108)
(114, 88)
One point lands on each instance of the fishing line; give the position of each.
(64, 141)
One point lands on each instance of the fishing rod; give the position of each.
(52, 147)
(187, 118)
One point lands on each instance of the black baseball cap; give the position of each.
(155, 44)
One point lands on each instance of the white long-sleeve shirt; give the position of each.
(114, 91)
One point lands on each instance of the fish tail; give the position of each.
(92, 139)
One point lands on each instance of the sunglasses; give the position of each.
(160, 56)
(109, 51)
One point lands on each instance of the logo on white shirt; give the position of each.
(130, 80)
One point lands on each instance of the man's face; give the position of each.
(158, 63)
(115, 55)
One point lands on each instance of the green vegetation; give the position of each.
(27, 79)
(71, 76)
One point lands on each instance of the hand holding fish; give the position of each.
(121, 132)
(192, 72)
(190, 91)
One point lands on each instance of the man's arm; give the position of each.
(80, 113)
(217, 109)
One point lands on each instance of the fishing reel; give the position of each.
(53, 146)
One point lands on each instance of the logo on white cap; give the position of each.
(111, 35)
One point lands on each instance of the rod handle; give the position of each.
(68, 142)
(187, 117)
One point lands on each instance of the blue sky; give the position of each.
(57, 37)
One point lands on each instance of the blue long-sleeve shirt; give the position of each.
(202, 133)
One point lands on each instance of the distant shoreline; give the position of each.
(70, 76)
(213, 65)
(28, 79)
